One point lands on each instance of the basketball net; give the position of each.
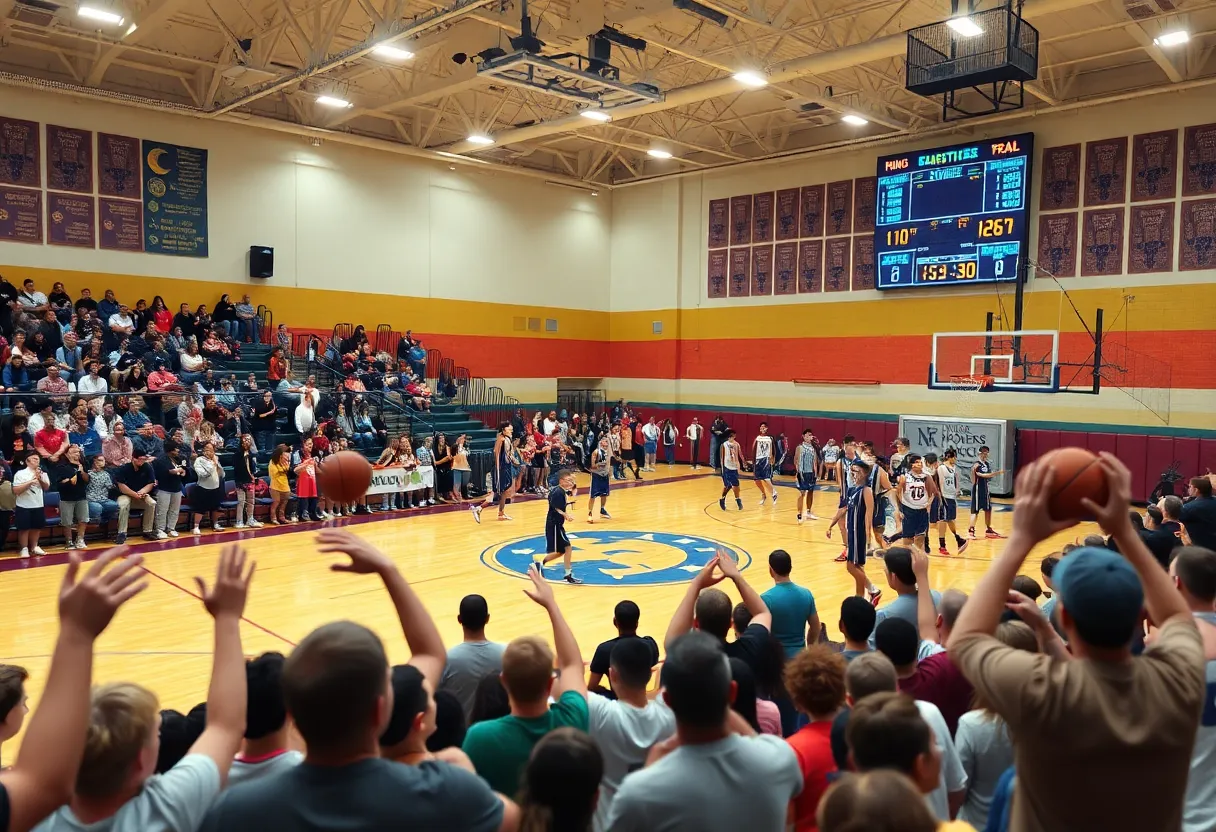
(966, 391)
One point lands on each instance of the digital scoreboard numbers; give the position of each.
(953, 215)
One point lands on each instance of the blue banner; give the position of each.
(175, 199)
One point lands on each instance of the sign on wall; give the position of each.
(175, 199)
(936, 434)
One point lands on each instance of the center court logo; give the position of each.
(617, 558)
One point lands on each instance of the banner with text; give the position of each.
(936, 434)
(395, 479)
(175, 199)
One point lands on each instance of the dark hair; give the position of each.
(474, 612)
(930, 458)
(848, 437)
(697, 679)
(897, 639)
(627, 615)
(559, 784)
(1136, 518)
(886, 730)
(409, 700)
(490, 700)
(1203, 485)
(1196, 570)
(1028, 586)
(333, 682)
(633, 662)
(712, 611)
(814, 679)
(805, 431)
(1048, 565)
(12, 687)
(730, 432)
(745, 692)
(950, 453)
(857, 617)
(984, 448)
(912, 459)
(740, 617)
(898, 560)
(862, 465)
(764, 424)
(450, 726)
(178, 732)
(266, 711)
(1157, 515)
(780, 562)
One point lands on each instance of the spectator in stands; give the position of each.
(276, 366)
(202, 321)
(208, 490)
(264, 751)
(50, 441)
(857, 617)
(469, 661)
(500, 748)
(136, 381)
(44, 417)
(83, 433)
(878, 801)
(161, 316)
(120, 326)
(16, 378)
(1198, 515)
(335, 686)
(184, 320)
(264, 423)
(170, 472)
(97, 493)
(691, 781)
(72, 480)
(246, 474)
(305, 418)
(194, 366)
(136, 481)
(55, 385)
(795, 620)
(1072, 715)
(135, 418)
(108, 306)
(814, 678)
(29, 486)
(13, 701)
(414, 721)
(561, 785)
(762, 715)
(224, 317)
(625, 618)
(283, 338)
(1162, 531)
(250, 325)
(897, 563)
(117, 448)
(31, 299)
(69, 357)
(92, 387)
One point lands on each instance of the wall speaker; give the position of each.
(261, 261)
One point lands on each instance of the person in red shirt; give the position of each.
(814, 679)
(51, 442)
(276, 369)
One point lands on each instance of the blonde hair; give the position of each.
(122, 723)
(527, 667)
(878, 801)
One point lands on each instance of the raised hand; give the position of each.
(1113, 516)
(89, 604)
(365, 559)
(727, 564)
(920, 566)
(1031, 517)
(228, 594)
(1026, 609)
(540, 592)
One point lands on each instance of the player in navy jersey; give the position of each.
(502, 477)
(913, 493)
(557, 544)
(880, 484)
(599, 466)
(981, 500)
(944, 510)
(848, 453)
(858, 517)
(730, 455)
(762, 452)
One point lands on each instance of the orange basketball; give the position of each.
(344, 477)
(1077, 474)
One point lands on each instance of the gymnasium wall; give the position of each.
(742, 354)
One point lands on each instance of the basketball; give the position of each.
(1077, 475)
(345, 477)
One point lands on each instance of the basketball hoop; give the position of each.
(966, 389)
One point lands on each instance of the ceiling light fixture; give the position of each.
(856, 121)
(596, 115)
(131, 29)
(1176, 38)
(964, 26)
(751, 78)
(659, 153)
(480, 138)
(393, 53)
(103, 15)
(595, 193)
(333, 101)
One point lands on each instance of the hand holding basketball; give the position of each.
(1032, 517)
(1111, 506)
(1079, 477)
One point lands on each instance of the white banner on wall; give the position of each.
(937, 433)
(395, 479)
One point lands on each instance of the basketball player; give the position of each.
(848, 453)
(601, 463)
(806, 462)
(730, 455)
(557, 544)
(946, 475)
(762, 452)
(503, 477)
(880, 484)
(858, 517)
(899, 464)
(981, 500)
(913, 493)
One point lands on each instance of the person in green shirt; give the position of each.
(499, 748)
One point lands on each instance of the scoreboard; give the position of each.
(953, 215)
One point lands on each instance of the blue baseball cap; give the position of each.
(1102, 594)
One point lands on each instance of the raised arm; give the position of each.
(926, 612)
(227, 696)
(44, 775)
(681, 621)
(426, 647)
(569, 659)
(751, 599)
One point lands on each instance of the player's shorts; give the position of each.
(806, 482)
(916, 522)
(730, 477)
(503, 479)
(880, 512)
(981, 500)
(764, 469)
(943, 510)
(599, 486)
(855, 548)
(555, 537)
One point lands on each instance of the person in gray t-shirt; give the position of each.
(265, 751)
(470, 661)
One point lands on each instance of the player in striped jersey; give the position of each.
(946, 505)
(762, 453)
(848, 453)
(600, 465)
(806, 462)
(858, 517)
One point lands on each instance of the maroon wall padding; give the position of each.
(1207, 455)
(1132, 450)
(1186, 452)
(1099, 442)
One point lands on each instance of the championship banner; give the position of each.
(394, 479)
(175, 199)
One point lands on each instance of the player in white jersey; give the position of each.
(806, 463)
(912, 495)
(762, 453)
(880, 484)
(730, 455)
(946, 505)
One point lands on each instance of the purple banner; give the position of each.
(812, 211)
(1106, 171)
(717, 273)
(69, 159)
(1058, 244)
(20, 152)
(740, 272)
(863, 262)
(810, 266)
(1155, 166)
(1199, 160)
(1061, 184)
(71, 220)
(785, 268)
(1102, 242)
(865, 199)
(762, 270)
(787, 214)
(122, 225)
(1152, 239)
(740, 220)
(1197, 247)
(118, 166)
(762, 218)
(719, 219)
(840, 208)
(836, 264)
(21, 215)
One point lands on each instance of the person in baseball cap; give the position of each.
(1099, 597)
